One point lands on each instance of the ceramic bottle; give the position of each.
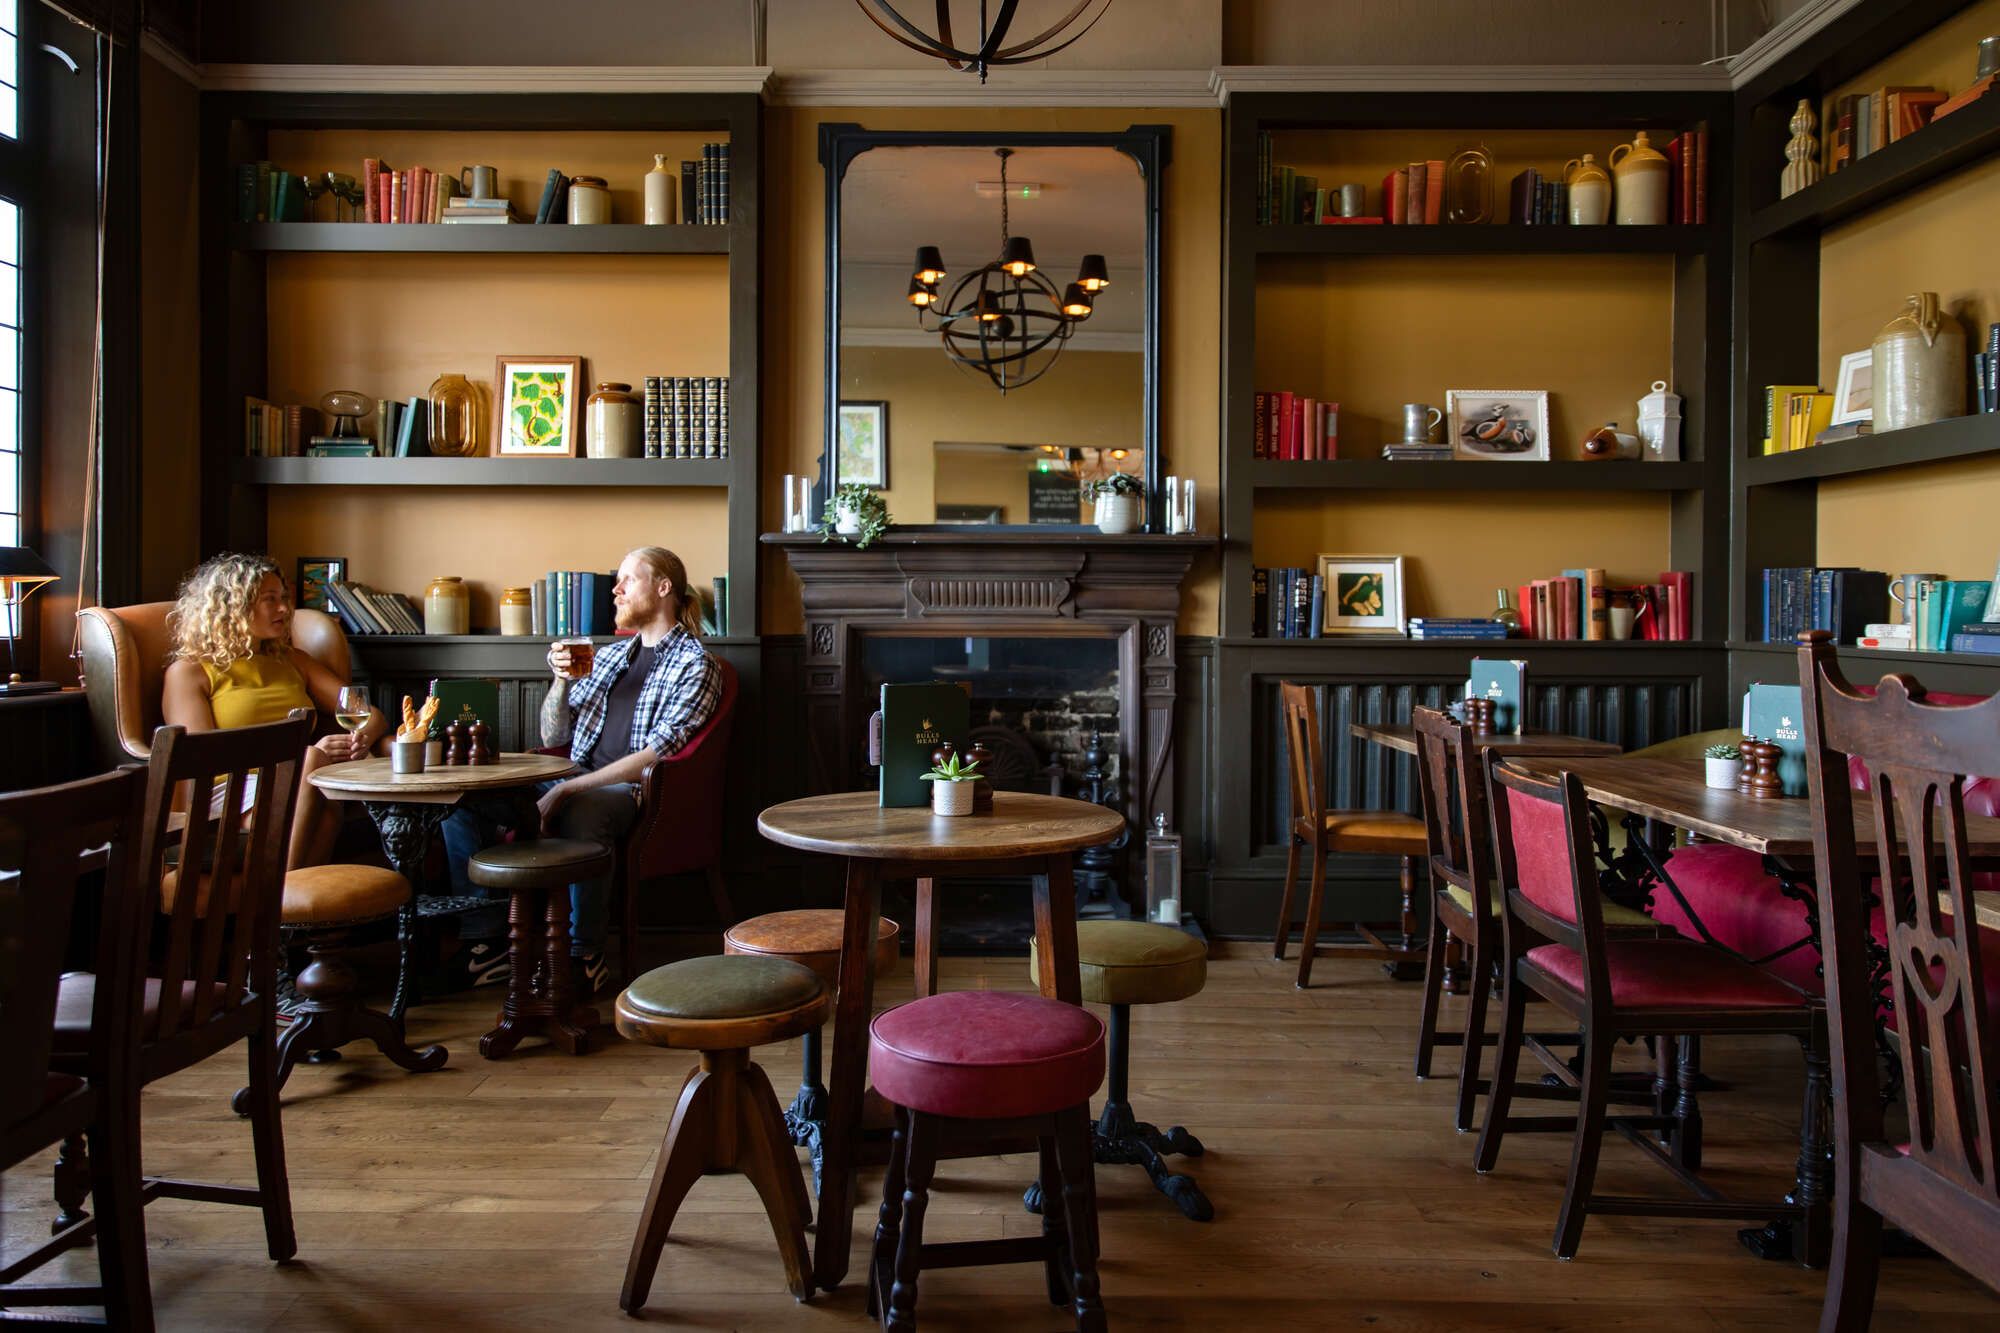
(660, 193)
(1589, 192)
(1918, 365)
(1639, 175)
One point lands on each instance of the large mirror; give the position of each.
(992, 321)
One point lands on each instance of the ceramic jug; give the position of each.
(1639, 172)
(1589, 192)
(660, 183)
(1918, 366)
(612, 422)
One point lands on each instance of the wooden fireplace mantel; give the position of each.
(950, 583)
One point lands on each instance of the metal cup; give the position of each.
(1351, 201)
(1903, 591)
(485, 182)
(1419, 420)
(1989, 57)
(407, 756)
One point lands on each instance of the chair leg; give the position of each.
(115, 1191)
(1315, 903)
(1283, 933)
(1474, 1042)
(1055, 1233)
(628, 931)
(1592, 1096)
(1434, 969)
(889, 1218)
(1079, 1200)
(1506, 1064)
(764, 1154)
(70, 1183)
(1856, 1262)
(683, 1156)
(920, 1160)
(267, 1135)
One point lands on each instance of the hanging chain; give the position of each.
(1004, 154)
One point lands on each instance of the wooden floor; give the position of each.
(505, 1195)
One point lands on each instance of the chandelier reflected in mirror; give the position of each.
(1005, 320)
(992, 48)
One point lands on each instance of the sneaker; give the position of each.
(287, 1000)
(481, 963)
(591, 970)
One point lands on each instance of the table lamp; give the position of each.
(21, 572)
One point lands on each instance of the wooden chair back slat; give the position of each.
(1919, 756)
(1457, 818)
(221, 935)
(43, 835)
(1306, 757)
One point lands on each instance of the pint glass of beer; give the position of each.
(581, 654)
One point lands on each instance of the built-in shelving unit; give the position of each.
(1483, 240)
(1940, 441)
(1375, 474)
(615, 238)
(481, 472)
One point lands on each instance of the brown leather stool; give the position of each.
(541, 998)
(810, 937)
(727, 1116)
(324, 904)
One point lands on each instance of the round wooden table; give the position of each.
(407, 809)
(1023, 834)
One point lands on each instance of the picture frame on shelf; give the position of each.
(538, 404)
(314, 572)
(1499, 425)
(862, 453)
(1364, 594)
(1854, 391)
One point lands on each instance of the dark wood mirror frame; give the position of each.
(1148, 145)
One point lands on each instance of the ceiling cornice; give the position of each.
(1788, 33)
(1015, 87)
(485, 78)
(1228, 80)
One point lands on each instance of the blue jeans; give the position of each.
(601, 814)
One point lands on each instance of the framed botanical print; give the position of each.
(538, 403)
(1364, 594)
(862, 455)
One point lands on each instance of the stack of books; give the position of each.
(1986, 372)
(1287, 603)
(272, 430)
(1416, 452)
(1289, 425)
(1456, 627)
(1414, 195)
(363, 610)
(415, 195)
(687, 416)
(569, 601)
(1577, 605)
(264, 194)
(1535, 202)
(1865, 123)
(1796, 417)
(1938, 614)
(1845, 601)
(484, 211)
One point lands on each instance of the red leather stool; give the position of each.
(982, 1069)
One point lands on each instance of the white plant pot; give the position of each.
(952, 798)
(1117, 513)
(847, 520)
(1723, 772)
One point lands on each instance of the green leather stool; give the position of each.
(536, 877)
(727, 1117)
(1123, 963)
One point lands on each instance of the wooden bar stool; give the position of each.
(810, 937)
(1325, 832)
(325, 903)
(972, 1071)
(727, 1116)
(1123, 963)
(541, 995)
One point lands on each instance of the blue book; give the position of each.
(1776, 713)
(1318, 608)
(1505, 682)
(1963, 642)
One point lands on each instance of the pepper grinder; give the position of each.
(1479, 716)
(982, 787)
(479, 743)
(457, 744)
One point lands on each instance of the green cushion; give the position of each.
(1134, 962)
(540, 863)
(1615, 916)
(1463, 900)
(729, 986)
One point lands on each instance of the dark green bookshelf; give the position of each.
(1941, 441)
(1380, 474)
(616, 238)
(481, 472)
(1384, 239)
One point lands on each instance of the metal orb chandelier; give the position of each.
(992, 48)
(1004, 320)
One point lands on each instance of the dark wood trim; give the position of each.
(614, 238)
(481, 472)
(1301, 239)
(1377, 474)
(1954, 437)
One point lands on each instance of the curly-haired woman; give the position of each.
(234, 666)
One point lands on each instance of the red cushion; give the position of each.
(1671, 974)
(987, 1055)
(1542, 869)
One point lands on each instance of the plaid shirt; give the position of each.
(678, 697)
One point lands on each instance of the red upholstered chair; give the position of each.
(680, 820)
(978, 1069)
(1556, 947)
(1941, 1185)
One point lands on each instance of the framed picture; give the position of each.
(1364, 594)
(314, 573)
(1854, 392)
(863, 453)
(539, 406)
(1508, 425)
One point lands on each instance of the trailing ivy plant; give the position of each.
(867, 504)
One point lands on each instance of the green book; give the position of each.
(1961, 602)
(1505, 682)
(1926, 614)
(916, 719)
(465, 700)
(1776, 713)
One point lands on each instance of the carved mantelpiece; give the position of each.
(978, 584)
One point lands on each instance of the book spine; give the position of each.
(722, 406)
(1260, 439)
(722, 191)
(1260, 595)
(650, 417)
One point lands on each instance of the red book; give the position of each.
(371, 169)
(1433, 191)
(1260, 437)
(426, 195)
(1330, 432)
(1413, 194)
(1300, 407)
(1680, 603)
(1309, 419)
(1690, 150)
(1526, 605)
(1674, 192)
(1395, 194)
(1701, 173)
(1287, 408)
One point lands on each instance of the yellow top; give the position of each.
(254, 690)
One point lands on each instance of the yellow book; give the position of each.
(1775, 436)
(1815, 411)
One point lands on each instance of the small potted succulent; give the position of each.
(1121, 502)
(856, 514)
(1725, 764)
(953, 781)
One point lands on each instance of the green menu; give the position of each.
(1505, 682)
(463, 700)
(1776, 713)
(916, 719)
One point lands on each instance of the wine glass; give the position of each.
(351, 708)
(312, 187)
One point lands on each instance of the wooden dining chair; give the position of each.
(1943, 1186)
(213, 886)
(1325, 832)
(1556, 946)
(43, 838)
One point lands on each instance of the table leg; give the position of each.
(1055, 931)
(848, 1075)
(925, 932)
(406, 831)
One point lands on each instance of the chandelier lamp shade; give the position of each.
(1005, 320)
(996, 21)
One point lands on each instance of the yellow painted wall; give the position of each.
(1086, 399)
(1191, 300)
(1460, 545)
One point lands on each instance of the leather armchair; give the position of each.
(125, 664)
